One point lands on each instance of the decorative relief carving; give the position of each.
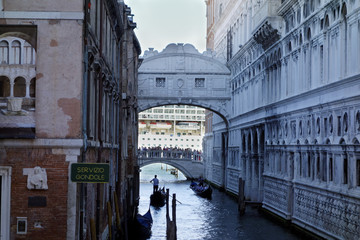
(266, 35)
(275, 194)
(327, 211)
(37, 178)
(358, 121)
(180, 83)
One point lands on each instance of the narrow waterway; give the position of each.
(202, 219)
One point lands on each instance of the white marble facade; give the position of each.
(294, 127)
(181, 75)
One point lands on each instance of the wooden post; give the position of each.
(241, 200)
(167, 204)
(173, 232)
(92, 229)
(109, 219)
(168, 229)
(170, 225)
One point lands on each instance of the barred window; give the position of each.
(160, 82)
(199, 82)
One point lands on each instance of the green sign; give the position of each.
(90, 172)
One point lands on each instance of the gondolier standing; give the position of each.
(155, 182)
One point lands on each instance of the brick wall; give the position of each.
(52, 217)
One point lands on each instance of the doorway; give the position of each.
(5, 182)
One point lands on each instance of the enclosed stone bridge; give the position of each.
(190, 163)
(180, 75)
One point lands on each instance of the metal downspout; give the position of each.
(84, 122)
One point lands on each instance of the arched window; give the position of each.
(327, 22)
(20, 87)
(308, 35)
(29, 54)
(345, 122)
(32, 87)
(343, 11)
(4, 52)
(357, 121)
(306, 10)
(4, 86)
(289, 46)
(249, 143)
(16, 52)
(312, 5)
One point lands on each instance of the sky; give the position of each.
(161, 22)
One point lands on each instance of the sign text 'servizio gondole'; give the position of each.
(90, 172)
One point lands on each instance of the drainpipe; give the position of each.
(84, 122)
(99, 157)
(99, 125)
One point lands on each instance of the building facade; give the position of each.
(68, 93)
(295, 109)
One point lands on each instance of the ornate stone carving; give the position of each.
(326, 211)
(275, 194)
(266, 35)
(180, 83)
(37, 178)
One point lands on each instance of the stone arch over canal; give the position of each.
(190, 169)
(180, 75)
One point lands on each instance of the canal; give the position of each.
(202, 219)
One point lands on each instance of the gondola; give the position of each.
(204, 191)
(158, 198)
(144, 224)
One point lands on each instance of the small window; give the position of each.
(358, 172)
(160, 82)
(345, 170)
(199, 82)
(331, 170)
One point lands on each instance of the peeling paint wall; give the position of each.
(59, 82)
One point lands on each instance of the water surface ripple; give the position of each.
(203, 219)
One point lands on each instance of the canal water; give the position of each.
(203, 219)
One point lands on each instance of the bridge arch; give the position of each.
(180, 75)
(188, 172)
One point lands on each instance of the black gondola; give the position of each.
(204, 191)
(158, 198)
(144, 223)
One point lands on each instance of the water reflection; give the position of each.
(202, 219)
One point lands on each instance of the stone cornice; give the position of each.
(42, 15)
(43, 143)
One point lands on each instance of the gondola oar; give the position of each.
(176, 200)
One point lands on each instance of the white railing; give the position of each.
(183, 154)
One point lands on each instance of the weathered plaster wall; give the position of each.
(58, 106)
(44, 5)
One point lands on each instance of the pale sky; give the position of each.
(160, 22)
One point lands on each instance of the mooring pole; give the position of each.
(167, 215)
(241, 199)
(174, 237)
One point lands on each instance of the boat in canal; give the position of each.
(158, 198)
(144, 224)
(203, 190)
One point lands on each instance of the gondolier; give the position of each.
(155, 182)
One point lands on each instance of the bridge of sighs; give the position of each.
(180, 75)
